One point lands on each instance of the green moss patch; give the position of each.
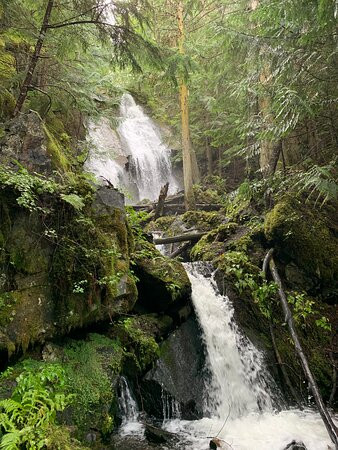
(299, 233)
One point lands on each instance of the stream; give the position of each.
(241, 403)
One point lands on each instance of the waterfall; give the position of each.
(149, 163)
(129, 410)
(239, 398)
(135, 160)
(239, 382)
(171, 407)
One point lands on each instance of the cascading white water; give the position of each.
(137, 161)
(239, 382)
(129, 411)
(171, 407)
(238, 399)
(105, 159)
(150, 165)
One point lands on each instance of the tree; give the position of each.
(120, 32)
(190, 168)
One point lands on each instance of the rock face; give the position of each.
(46, 286)
(163, 284)
(177, 375)
(30, 143)
(301, 235)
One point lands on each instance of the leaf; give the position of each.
(75, 200)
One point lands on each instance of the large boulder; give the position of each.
(301, 234)
(177, 376)
(28, 141)
(163, 283)
(63, 271)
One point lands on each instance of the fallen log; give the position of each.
(180, 238)
(180, 250)
(177, 207)
(327, 420)
(201, 206)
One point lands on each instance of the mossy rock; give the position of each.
(163, 282)
(212, 245)
(7, 104)
(92, 367)
(7, 67)
(52, 283)
(300, 234)
(137, 335)
(203, 220)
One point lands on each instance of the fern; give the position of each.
(27, 416)
(73, 199)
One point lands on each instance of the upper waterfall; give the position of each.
(149, 157)
(135, 159)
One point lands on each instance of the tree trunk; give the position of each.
(190, 168)
(328, 422)
(208, 152)
(180, 238)
(34, 60)
(161, 200)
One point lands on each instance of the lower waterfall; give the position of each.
(241, 403)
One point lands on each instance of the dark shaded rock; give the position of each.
(26, 142)
(108, 199)
(163, 283)
(295, 446)
(215, 443)
(158, 435)
(130, 443)
(178, 374)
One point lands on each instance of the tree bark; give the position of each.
(208, 151)
(190, 168)
(180, 238)
(179, 250)
(328, 422)
(161, 200)
(34, 59)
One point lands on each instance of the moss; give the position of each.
(203, 220)
(161, 224)
(7, 104)
(299, 233)
(212, 244)
(56, 151)
(137, 335)
(91, 366)
(7, 67)
(206, 195)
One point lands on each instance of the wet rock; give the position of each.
(215, 443)
(163, 283)
(181, 354)
(158, 435)
(294, 445)
(107, 200)
(130, 443)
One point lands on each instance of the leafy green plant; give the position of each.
(27, 416)
(263, 294)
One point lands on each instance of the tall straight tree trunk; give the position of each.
(34, 59)
(269, 150)
(208, 151)
(190, 168)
